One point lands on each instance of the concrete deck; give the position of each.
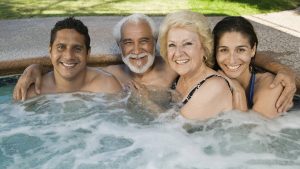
(285, 21)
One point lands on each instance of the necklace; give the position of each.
(185, 85)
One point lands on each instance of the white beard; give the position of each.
(141, 68)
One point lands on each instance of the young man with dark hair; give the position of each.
(69, 50)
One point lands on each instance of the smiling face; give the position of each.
(234, 54)
(184, 51)
(138, 46)
(68, 54)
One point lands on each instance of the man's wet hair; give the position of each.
(71, 23)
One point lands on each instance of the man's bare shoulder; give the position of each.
(121, 72)
(98, 74)
(99, 80)
(115, 68)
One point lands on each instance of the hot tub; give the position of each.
(89, 131)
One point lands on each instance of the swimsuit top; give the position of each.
(191, 93)
(251, 90)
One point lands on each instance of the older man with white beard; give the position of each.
(136, 37)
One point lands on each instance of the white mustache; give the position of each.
(139, 68)
(137, 56)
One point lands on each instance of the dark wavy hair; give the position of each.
(71, 23)
(234, 24)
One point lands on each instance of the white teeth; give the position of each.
(137, 61)
(141, 56)
(233, 67)
(137, 57)
(68, 64)
(181, 61)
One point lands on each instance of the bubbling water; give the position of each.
(89, 131)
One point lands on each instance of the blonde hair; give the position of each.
(192, 21)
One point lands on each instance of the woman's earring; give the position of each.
(204, 58)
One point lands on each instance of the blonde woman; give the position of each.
(186, 44)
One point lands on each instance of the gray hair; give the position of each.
(134, 18)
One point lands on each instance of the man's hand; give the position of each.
(145, 98)
(286, 78)
(31, 75)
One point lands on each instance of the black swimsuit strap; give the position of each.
(251, 90)
(191, 93)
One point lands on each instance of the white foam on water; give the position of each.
(87, 131)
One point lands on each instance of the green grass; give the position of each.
(10, 9)
(241, 7)
(32, 8)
